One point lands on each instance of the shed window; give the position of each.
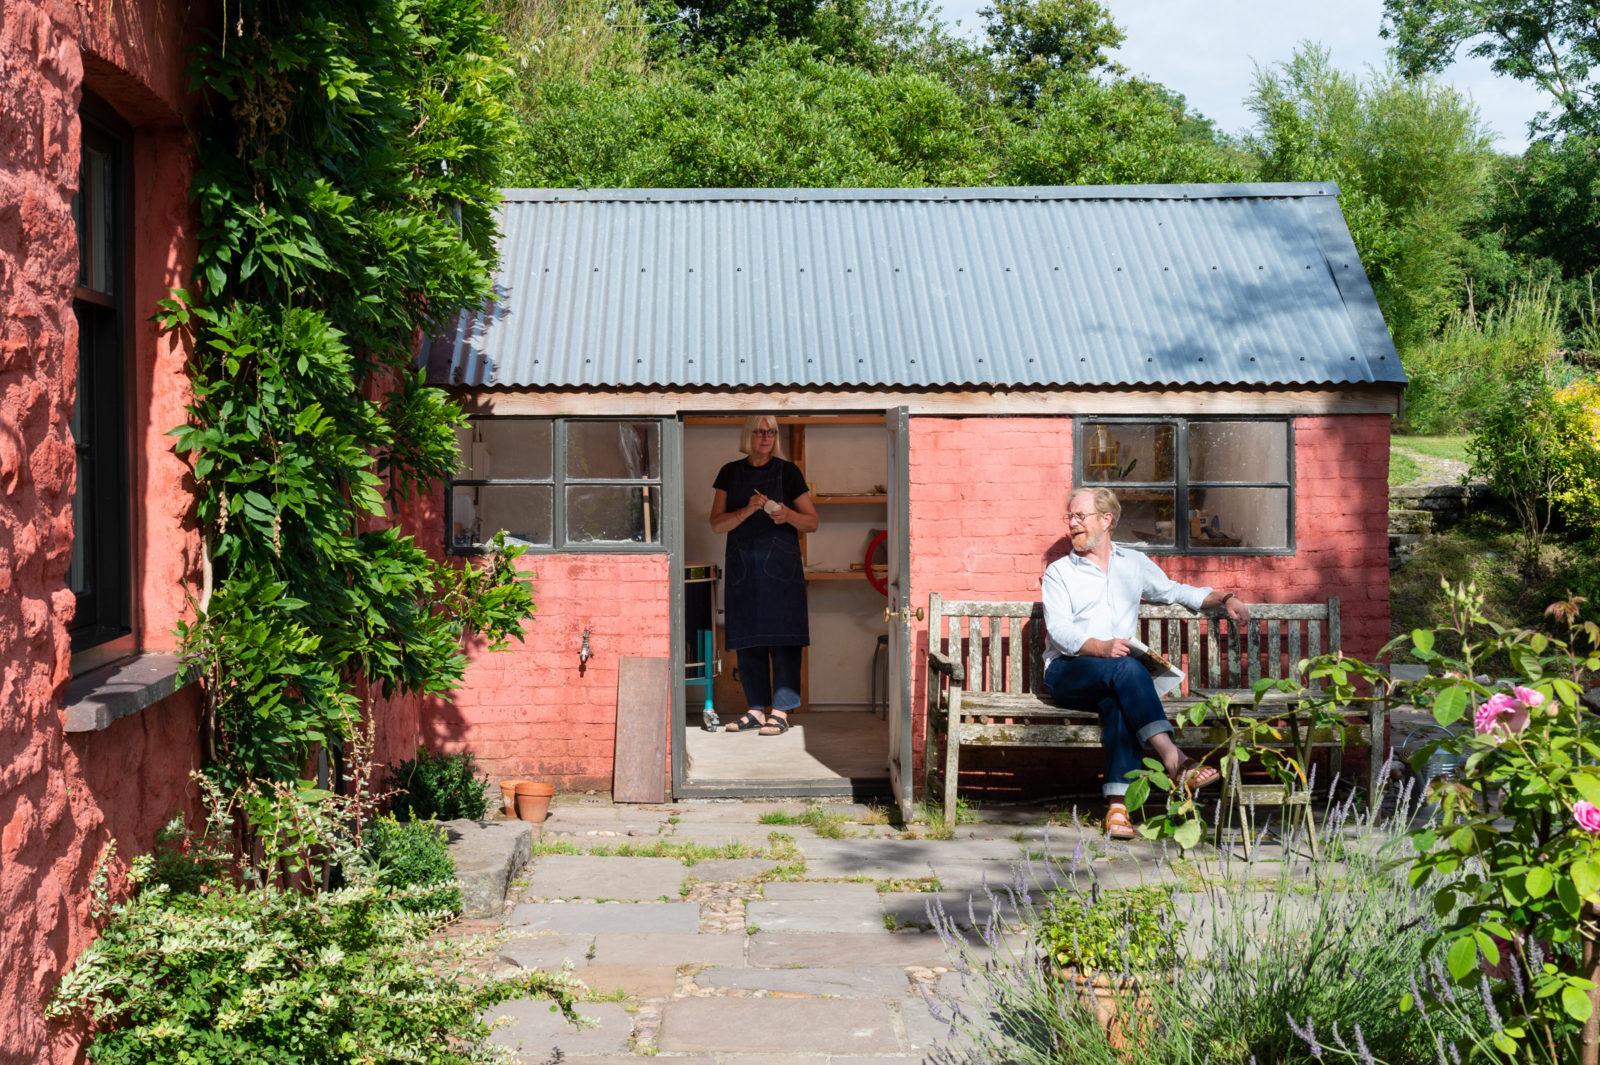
(557, 483)
(1193, 485)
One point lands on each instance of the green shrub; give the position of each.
(1466, 368)
(258, 964)
(439, 787)
(408, 858)
(1131, 930)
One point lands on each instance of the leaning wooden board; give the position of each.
(644, 707)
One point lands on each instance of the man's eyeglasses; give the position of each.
(763, 432)
(1081, 519)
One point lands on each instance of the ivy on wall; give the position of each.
(349, 164)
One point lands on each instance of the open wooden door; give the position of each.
(898, 612)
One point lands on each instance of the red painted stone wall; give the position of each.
(529, 712)
(63, 797)
(988, 497)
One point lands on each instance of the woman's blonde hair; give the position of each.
(751, 424)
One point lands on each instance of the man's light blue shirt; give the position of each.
(1082, 602)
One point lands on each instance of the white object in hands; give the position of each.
(773, 506)
(1168, 678)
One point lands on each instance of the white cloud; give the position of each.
(1208, 51)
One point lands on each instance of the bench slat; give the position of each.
(967, 608)
(1027, 704)
(1212, 677)
(1274, 649)
(1015, 654)
(1087, 735)
(1252, 634)
(1195, 663)
(996, 679)
(1282, 611)
(1294, 645)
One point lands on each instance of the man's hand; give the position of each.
(1238, 610)
(1104, 648)
(781, 515)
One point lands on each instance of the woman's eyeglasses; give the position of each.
(763, 432)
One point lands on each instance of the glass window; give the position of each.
(1195, 485)
(99, 572)
(557, 483)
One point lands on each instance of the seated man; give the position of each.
(1091, 610)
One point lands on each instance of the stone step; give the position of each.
(488, 855)
(1410, 521)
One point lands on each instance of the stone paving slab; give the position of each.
(611, 834)
(657, 981)
(538, 1035)
(720, 813)
(646, 950)
(924, 1031)
(798, 915)
(823, 950)
(715, 835)
(878, 981)
(778, 1025)
(819, 891)
(725, 869)
(693, 1059)
(606, 917)
(557, 876)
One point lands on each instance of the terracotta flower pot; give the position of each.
(533, 800)
(508, 796)
(1120, 1003)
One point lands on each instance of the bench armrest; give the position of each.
(939, 662)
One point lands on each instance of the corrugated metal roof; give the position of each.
(1133, 285)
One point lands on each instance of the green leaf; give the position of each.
(1462, 958)
(1576, 1003)
(1422, 640)
(1586, 877)
(1588, 786)
(1538, 882)
(1138, 792)
(1449, 704)
(1188, 834)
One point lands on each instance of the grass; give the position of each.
(1403, 469)
(1437, 447)
(687, 853)
(825, 823)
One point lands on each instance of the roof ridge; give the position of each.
(932, 194)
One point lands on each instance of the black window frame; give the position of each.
(559, 482)
(104, 608)
(1181, 485)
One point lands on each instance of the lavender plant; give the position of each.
(1278, 963)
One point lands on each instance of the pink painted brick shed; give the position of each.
(946, 364)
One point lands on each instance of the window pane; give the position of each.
(505, 449)
(1120, 451)
(614, 514)
(1238, 451)
(614, 450)
(478, 512)
(100, 190)
(1239, 517)
(1146, 518)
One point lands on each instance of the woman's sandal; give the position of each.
(1117, 823)
(776, 719)
(747, 723)
(1196, 775)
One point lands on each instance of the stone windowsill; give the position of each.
(104, 695)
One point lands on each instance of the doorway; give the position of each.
(840, 739)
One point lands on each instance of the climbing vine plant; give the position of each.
(349, 156)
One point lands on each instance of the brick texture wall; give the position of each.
(987, 500)
(64, 798)
(529, 712)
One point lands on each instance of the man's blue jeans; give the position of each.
(1130, 710)
(771, 677)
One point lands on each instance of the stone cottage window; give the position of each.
(99, 575)
(1195, 485)
(577, 484)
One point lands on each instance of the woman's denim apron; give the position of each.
(765, 597)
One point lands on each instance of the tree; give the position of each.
(1411, 159)
(1555, 44)
(1031, 40)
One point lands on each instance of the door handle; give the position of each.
(905, 615)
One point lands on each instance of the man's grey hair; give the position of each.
(1105, 501)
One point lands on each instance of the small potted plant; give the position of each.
(1106, 947)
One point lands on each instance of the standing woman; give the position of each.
(763, 505)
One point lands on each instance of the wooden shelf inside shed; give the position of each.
(840, 574)
(845, 498)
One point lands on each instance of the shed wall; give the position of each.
(987, 500)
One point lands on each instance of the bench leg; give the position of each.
(952, 755)
(1379, 755)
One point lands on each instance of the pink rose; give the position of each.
(1587, 816)
(1489, 713)
(1528, 697)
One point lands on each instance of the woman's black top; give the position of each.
(766, 591)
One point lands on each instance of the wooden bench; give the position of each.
(986, 677)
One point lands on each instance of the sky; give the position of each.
(1208, 51)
